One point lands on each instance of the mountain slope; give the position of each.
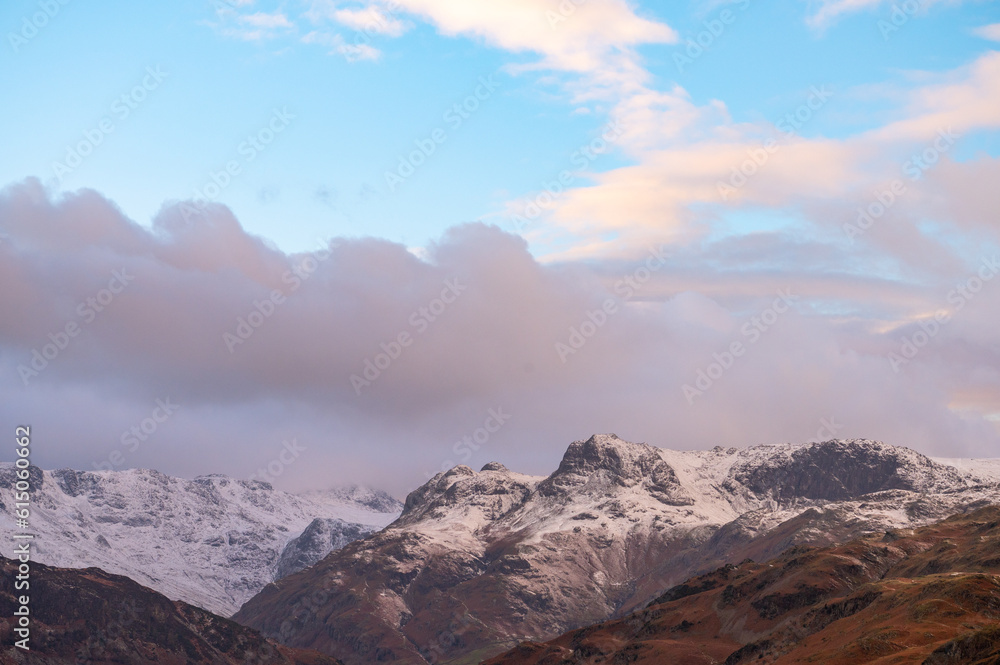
(322, 536)
(89, 616)
(930, 596)
(480, 561)
(212, 541)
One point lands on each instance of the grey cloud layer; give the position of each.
(491, 345)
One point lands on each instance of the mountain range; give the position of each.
(625, 553)
(212, 541)
(479, 562)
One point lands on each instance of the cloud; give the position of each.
(595, 38)
(265, 20)
(370, 19)
(590, 38)
(967, 99)
(991, 32)
(484, 319)
(338, 46)
(829, 11)
(250, 26)
(685, 156)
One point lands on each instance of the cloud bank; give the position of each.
(386, 366)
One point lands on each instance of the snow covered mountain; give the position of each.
(480, 561)
(322, 536)
(212, 542)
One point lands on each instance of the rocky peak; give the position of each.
(73, 483)
(322, 536)
(421, 499)
(375, 499)
(491, 492)
(605, 460)
(8, 475)
(838, 470)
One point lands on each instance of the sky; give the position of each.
(324, 242)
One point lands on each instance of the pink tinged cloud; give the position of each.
(493, 346)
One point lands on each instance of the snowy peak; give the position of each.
(605, 461)
(366, 497)
(718, 484)
(491, 493)
(322, 536)
(839, 470)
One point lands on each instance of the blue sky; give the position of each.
(324, 176)
(594, 135)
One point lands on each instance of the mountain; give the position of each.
(90, 616)
(213, 541)
(927, 596)
(322, 536)
(480, 561)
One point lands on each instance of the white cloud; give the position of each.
(253, 27)
(337, 45)
(683, 151)
(829, 11)
(265, 20)
(371, 20)
(593, 38)
(596, 38)
(991, 32)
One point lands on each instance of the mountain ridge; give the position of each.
(87, 615)
(510, 556)
(212, 541)
(929, 595)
